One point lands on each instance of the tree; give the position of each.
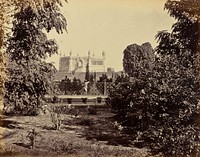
(65, 85)
(160, 106)
(136, 56)
(121, 78)
(104, 78)
(172, 93)
(29, 76)
(183, 40)
(181, 47)
(7, 8)
(92, 79)
(87, 74)
(76, 86)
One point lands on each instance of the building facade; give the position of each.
(73, 64)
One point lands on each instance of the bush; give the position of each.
(68, 86)
(92, 110)
(160, 107)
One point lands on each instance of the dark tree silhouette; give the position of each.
(137, 57)
(87, 74)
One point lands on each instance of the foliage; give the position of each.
(35, 5)
(70, 86)
(105, 78)
(160, 107)
(175, 99)
(4, 21)
(76, 85)
(183, 40)
(26, 87)
(92, 77)
(7, 8)
(117, 92)
(137, 57)
(122, 78)
(66, 147)
(182, 47)
(92, 110)
(64, 85)
(29, 76)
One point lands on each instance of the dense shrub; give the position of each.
(160, 106)
(105, 78)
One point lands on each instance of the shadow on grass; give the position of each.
(111, 136)
(22, 144)
(7, 135)
(48, 128)
(9, 124)
(101, 127)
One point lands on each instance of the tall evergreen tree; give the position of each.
(29, 76)
(87, 74)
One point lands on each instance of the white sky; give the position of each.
(110, 26)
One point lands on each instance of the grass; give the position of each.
(82, 133)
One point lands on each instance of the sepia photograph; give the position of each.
(99, 78)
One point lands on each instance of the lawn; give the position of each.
(84, 131)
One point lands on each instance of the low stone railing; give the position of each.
(78, 99)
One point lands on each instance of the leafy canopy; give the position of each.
(29, 76)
